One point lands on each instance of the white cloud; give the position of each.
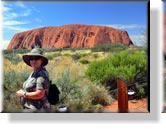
(17, 28)
(5, 43)
(27, 12)
(38, 20)
(20, 4)
(36, 10)
(121, 26)
(138, 39)
(15, 19)
(6, 9)
(131, 26)
(14, 22)
(10, 15)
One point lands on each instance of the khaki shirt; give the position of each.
(36, 80)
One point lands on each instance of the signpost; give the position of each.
(122, 95)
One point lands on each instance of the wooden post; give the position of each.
(122, 95)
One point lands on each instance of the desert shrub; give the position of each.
(140, 93)
(144, 48)
(75, 49)
(16, 51)
(61, 49)
(13, 58)
(21, 51)
(113, 47)
(52, 49)
(114, 93)
(84, 61)
(13, 81)
(71, 93)
(84, 54)
(66, 86)
(49, 49)
(67, 54)
(124, 64)
(52, 56)
(95, 55)
(76, 56)
(100, 95)
(10, 102)
(82, 98)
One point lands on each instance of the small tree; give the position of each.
(128, 64)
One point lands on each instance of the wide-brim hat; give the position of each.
(35, 52)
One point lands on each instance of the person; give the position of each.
(34, 93)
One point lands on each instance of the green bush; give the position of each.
(140, 93)
(100, 95)
(49, 49)
(12, 55)
(84, 61)
(95, 55)
(85, 97)
(52, 56)
(13, 58)
(76, 56)
(16, 51)
(71, 93)
(61, 49)
(75, 49)
(113, 47)
(84, 54)
(144, 48)
(12, 82)
(67, 86)
(52, 49)
(67, 54)
(14, 79)
(124, 64)
(11, 103)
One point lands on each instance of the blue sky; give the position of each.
(164, 5)
(19, 17)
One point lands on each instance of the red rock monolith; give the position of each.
(69, 36)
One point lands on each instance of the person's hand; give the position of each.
(20, 93)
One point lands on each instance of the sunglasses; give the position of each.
(35, 58)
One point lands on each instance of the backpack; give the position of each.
(53, 94)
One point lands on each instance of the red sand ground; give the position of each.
(134, 106)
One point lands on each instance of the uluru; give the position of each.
(69, 36)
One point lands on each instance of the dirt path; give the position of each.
(134, 106)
